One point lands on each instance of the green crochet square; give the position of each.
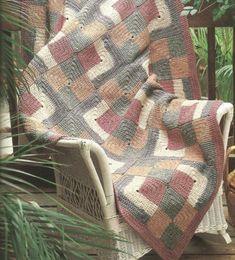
(171, 236)
(176, 46)
(126, 131)
(172, 202)
(120, 105)
(162, 69)
(161, 174)
(188, 134)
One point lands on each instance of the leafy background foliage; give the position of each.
(224, 59)
(224, 45)
(219, 7)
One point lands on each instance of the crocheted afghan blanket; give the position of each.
(122, 73)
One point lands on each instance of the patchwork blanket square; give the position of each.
(122, 73)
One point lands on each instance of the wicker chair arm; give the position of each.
(224, 118)
(105, 192)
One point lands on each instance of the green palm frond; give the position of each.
(13, 13)
(28, 231)
(31, 232)
(199, 37)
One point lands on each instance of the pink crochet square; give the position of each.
(124, 8)
(109, 121)
(61, 50)
(168, 86)
(186, 114)
(134, 110)
(175, 140)
(149, 10)
(59, 23)
(153, 189)
(89, 57)
(182, 183)
(29, 104)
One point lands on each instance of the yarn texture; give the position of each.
(122, 73)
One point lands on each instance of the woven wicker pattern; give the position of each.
(78, 196)
(122, 72)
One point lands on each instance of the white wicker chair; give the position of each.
(86, 188)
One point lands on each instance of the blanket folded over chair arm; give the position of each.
(165, 193)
